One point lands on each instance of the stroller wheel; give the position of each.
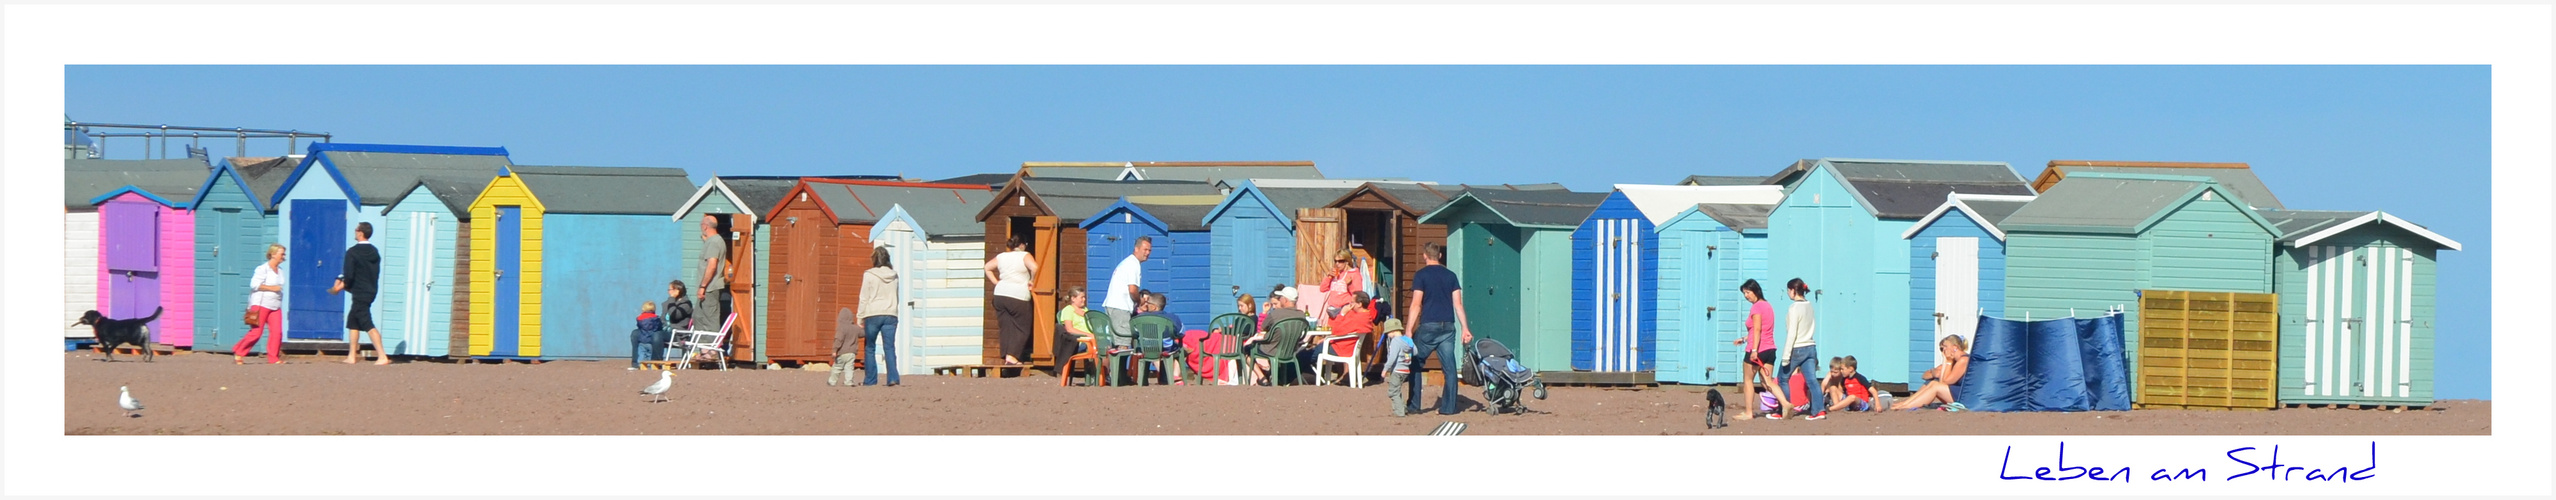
(1539, 391)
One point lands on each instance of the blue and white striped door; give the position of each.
(1618, 251)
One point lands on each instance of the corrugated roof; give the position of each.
(2298, 223)
(606, 190)
(1724, 180)
(380, 178)
(1909, 200)
(1540, 208)
(1909, 189)
(1660, 203)
(172, 179)
(1074, 199)
(1744, 217)
(2100, 202)
(2238, 178)
(866, 203)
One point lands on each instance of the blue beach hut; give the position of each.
(1618, 273)
(335, 187)
(1252, 235)
(1706, 250)
(1956, 272)
(1178, 267)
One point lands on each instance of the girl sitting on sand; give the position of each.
(1940, 379)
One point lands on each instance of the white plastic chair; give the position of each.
(699, 342)
(1348, 364)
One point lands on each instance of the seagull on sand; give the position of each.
(125, 399)
(665, 380)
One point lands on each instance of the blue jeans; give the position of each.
(643, 345)
(1805, 359)
(879, 331)
(1439, 338)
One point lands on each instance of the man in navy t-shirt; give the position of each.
(1437, 303)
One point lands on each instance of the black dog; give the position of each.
(1713, 410)
(114, 332)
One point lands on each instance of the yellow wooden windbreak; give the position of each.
(506, 190)
(2208, 350)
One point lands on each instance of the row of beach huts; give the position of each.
(487, 259)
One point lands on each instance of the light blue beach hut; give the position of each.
(335, 187)
(1252, 236)
(1709, 241)
(1620, 274)
(940, 255)
(422, 287)
(1839, 229)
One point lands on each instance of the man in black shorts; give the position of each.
(360, 275)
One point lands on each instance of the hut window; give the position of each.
(2205, 196)
(803, 196)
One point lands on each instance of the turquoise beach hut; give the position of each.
(422, 287)
(2357, 303)
(1511, 250)
(1839, 229)
(1956, 272)
(2094, 240)
(234, 221)
(1252, 236)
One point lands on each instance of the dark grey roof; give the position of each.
(264, 175)
(1894, 189)
(1218, 173)
(1073, 199)
(1913, 200)
(454, 192)
(2099, 202)
(1995, 211)
(380, 178)
(606, 190)
(173, 179)
(2238, 181)
(993, 180)
(1724, 180)
(1744, 217)
(1540, 208)
(866, 203)
(759, 193)
(1178, 217)
(1287, 200)
(2297, 223)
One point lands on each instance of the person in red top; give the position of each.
(1847, 390)
(1358, 318)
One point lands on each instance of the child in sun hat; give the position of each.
(1397, 355)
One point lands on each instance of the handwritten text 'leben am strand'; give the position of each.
(2246, 463)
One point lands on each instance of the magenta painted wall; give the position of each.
(176, 262)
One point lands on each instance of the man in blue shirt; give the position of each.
(1437, 303)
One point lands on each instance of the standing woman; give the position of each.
(1803, 355)
(1757, 359)
(266, 301)
(1011, 273)
(878, 318)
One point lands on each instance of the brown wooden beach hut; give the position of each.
(1382, 218)
(820, 247)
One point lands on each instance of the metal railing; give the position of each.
(161, 134)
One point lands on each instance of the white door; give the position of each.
(421, 284)
(1956, 289)
(2359, 333)
(899, 241)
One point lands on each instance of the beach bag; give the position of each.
(252, 318)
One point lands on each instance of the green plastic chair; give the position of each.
(1289, 334)
(1233, 328)
(1150, 332)
(1102, 333)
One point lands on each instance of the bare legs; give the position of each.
(1750, 373)
(355, 346)
(1933, 392)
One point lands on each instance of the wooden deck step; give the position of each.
(981, 370)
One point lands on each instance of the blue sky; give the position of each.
(2411, 140)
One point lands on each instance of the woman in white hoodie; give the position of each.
(1803, 353)
(878, 317)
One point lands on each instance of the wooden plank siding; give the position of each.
(2309, 314)
(395, 301)
(234, 232)
(505, 191)
(817, 266)
(747, 281)
(461, 280)
(1922, 330)
(1058, 248)
(80, 271)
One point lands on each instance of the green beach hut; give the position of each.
(1511, 250)
(2095, 239)
(2356, 307)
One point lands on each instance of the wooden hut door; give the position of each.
(1043, 300)
(1319, 235)
(741, 280)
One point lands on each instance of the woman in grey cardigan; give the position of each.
(878, 317)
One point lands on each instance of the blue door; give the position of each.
(316, 249)
(510, 238)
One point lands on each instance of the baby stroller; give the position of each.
(1502, 377)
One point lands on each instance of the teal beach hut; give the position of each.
(1839, 229)
(2357, 301)
(1956, 272)
(233, 223)
(1511, 251)
(1705, 250)
(2096, 239)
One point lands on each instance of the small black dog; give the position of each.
(1714, 417)
(114, 332)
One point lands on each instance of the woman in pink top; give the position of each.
(1757, 357)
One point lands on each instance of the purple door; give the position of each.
(131, 256)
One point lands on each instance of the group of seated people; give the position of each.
(1351, 323)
